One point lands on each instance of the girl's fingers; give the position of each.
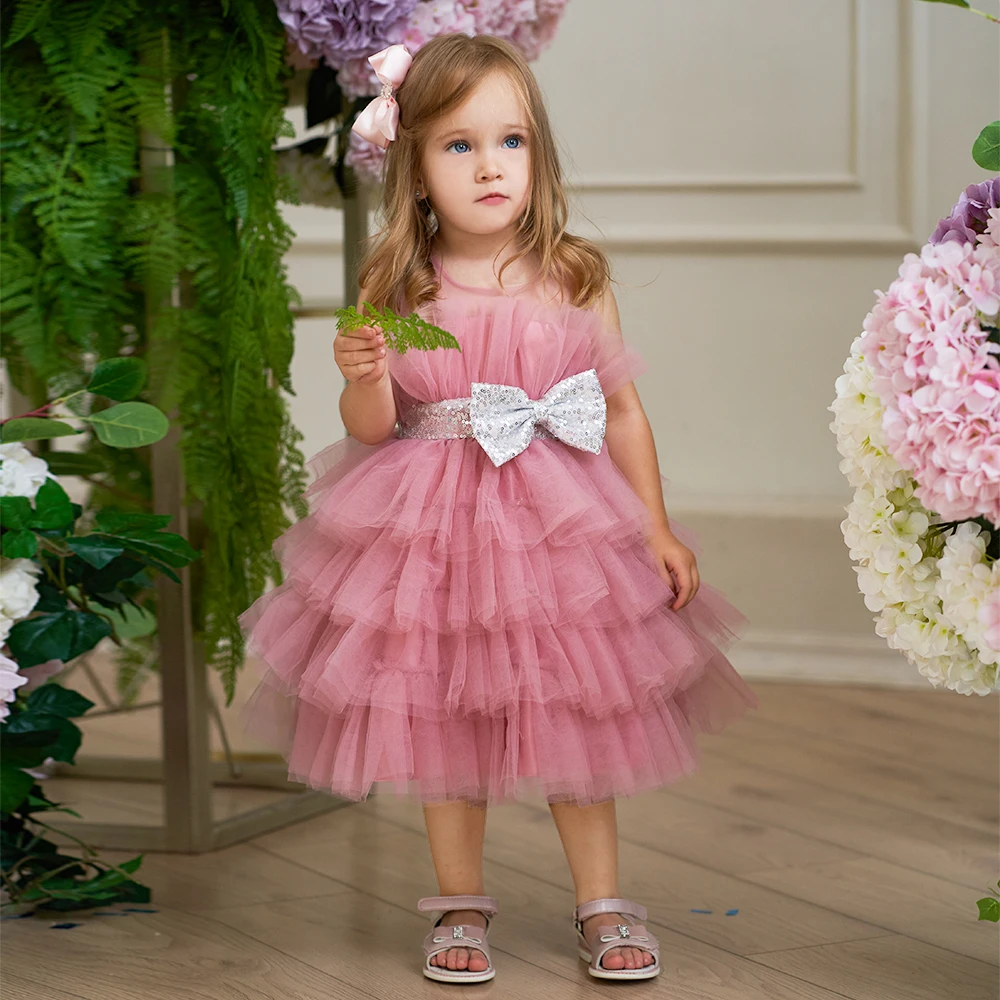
(361, 357)
(352, 342)
(358, 339)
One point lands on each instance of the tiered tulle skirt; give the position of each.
(450, 630)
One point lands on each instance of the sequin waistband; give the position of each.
(445, 418)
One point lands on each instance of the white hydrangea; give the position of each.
(21, 472)
(930, 594)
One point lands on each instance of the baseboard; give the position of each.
(823, 657)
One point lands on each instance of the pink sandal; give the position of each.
(470, 936)
(616, 935)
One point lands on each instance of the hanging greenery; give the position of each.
(180, 263)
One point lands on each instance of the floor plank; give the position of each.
(890, 968)
(852, 829)
(164, 956)
(892, 897)
(967, 800)
(865, 825)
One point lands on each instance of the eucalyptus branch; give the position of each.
(982, 13)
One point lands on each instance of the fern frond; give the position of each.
(402, 332)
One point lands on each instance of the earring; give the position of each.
(418, 194)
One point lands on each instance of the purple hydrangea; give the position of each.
(970, 214)
(341, 30)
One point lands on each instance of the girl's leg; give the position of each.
(589, 837)
(455, 831)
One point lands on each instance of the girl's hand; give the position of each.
(361, 354)
(673, 557)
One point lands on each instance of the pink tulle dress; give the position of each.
(448, 628)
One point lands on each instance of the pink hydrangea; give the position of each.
(530, 25)
(432, 18)
(938, 376)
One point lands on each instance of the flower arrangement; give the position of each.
(69, 578)
(918, 426)
(330, 41)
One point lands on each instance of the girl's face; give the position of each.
(480, 149)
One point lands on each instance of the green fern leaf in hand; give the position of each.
(401, 332)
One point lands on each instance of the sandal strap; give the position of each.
(440, 939)
(609, 905)
(485, 904)
(643, 940)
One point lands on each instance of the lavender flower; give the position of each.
(344, 29)
(306, 24)
(970, 214)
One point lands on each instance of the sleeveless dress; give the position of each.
(452, 629)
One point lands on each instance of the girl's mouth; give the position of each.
(492, 199)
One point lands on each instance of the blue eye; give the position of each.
(517, 139)
(459, 142)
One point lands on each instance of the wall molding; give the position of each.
(832, 239)
(848, 180)
(734, 182)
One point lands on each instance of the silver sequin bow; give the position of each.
(503, 417)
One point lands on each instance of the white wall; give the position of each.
(756, 171)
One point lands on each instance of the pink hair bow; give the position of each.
(377, 123)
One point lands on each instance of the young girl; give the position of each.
(491, 601)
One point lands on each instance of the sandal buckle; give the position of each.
(623, 930)
(457, 931)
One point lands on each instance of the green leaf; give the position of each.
(20, 544)
(953, 3)
(55, 699)
(118, 378)
(67, 734)
(401, 332)
(27, 746)
(163, 546)
(136, 622)
(129, 425)
(74, 463)
(15, 512)
(61, 635)
(53, 508)
(34, 429)
(98, 550)
(123, 522)
(14, 786)
(989, 909)
(986, 149)
(97, 582)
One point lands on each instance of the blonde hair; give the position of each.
(397, 267)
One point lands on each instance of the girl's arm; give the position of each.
(630, 438)
(368, 409)
(630, 444)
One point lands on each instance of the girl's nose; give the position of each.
(489, 171)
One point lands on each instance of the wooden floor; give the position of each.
(851, 829)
